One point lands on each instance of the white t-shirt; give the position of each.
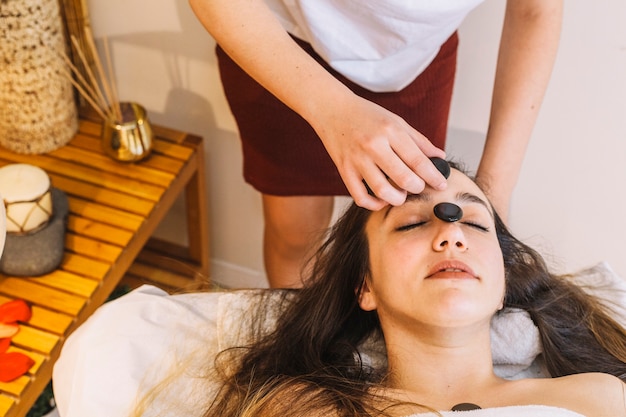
(382, 45)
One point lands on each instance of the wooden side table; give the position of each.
(114, 209)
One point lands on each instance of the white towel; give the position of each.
(514, 411)
(514, 337)
(107, 363)
(602, 282)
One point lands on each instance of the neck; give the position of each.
(443, 367)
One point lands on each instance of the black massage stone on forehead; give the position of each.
(448, 212)
(442, 165)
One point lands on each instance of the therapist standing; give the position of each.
(330, 95)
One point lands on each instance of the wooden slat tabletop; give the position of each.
(114, 208)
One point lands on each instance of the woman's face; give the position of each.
(430, 271)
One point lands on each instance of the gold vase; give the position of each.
(131, 139)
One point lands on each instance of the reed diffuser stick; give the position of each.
(115, 100)
(92, 83)
(86, 90)
(87, 97)
(100, 71)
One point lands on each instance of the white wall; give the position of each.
(569, 202)
(571, 197)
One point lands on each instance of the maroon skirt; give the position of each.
(283, 155)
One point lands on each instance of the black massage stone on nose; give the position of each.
(448, 212)
(442, 165)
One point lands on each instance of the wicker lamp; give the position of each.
(37, 105)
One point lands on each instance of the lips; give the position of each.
(451, 269)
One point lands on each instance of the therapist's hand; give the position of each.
(369, 143)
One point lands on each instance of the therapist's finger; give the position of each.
(415, 164)
(383, 187)
(373, 190)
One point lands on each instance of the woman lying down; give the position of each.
(431, 276)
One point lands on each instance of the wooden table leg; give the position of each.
(198, 218)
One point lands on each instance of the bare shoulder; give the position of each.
(590, 394)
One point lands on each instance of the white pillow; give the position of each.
(133, 342)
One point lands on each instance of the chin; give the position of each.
(456, 313)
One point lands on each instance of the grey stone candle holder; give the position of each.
(40, 252)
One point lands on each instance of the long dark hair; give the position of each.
(577, 333)
(311, 361)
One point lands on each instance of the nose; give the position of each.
(450, 236)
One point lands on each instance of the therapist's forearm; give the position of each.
(528, 49)
(252, 36)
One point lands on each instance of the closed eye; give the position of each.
(477, 226)
(410, 226)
